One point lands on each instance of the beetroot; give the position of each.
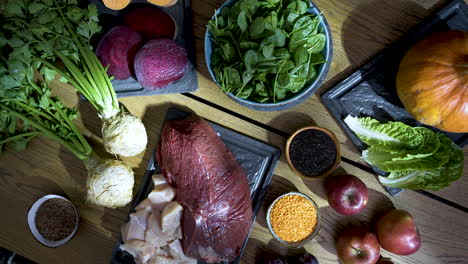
(160, 62)
(151, 22)
(117, 49)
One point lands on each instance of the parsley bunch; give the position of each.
(33, 35)
(44, 31)
(266, 50)
(28, 110)
(41, 33)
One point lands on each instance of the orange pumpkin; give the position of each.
(432, 81)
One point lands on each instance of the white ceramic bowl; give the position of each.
(32, 223)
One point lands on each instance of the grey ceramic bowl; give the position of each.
(299, 97)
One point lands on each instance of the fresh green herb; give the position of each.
(27, 109)
(416, 158)
(274, 45)
(43, 32)
(33, 36)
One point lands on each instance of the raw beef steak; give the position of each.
(211, 186)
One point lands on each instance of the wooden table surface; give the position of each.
(361, 29)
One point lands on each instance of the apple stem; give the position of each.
(358, 251)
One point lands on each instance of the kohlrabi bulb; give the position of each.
(109, 183)
(124, 135)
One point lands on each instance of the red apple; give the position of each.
(358, 245)
(346, 193)
(397, 233)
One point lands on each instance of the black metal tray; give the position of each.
(257, 158)
(370, 91)
(181, 13)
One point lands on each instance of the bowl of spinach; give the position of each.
(268, 55)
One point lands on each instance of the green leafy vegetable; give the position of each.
(416, 158)
(32, 38)
(274, 45)
(42, 32)
(27, 109)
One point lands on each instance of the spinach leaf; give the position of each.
(228, 51)
(316, 43)
(246, 92)
(300, 55)
(242, 21)
(266, 50)
(248, 45)
(257, 27)
(250, 60)
(271, 22)
(298, 6)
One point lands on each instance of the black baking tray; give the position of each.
(181, 13)
(371, 91)
(258, 160)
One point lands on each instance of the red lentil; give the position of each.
(293, 218)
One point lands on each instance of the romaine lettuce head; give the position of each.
(429, 179)
(393, 136)
(416, 158)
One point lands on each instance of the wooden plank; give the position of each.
(38, 171)
(443, 229)
(360, 30)
(48, 168)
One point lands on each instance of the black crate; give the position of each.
(370, 91)
(258, 160)
(181, 13)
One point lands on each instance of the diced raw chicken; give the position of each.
(136, 228)
(176, 251)
(154, 225)
(162, 260)
(161, 196)
(178, 233)
(124, 231)
(158, 179)
(171, 216)
(161, 252)
(154, 239)
(140, 250)
(144, 205)
(142, 217)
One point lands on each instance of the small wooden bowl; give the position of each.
(331, 169)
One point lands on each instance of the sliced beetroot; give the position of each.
(117, 49)
(160, 62)
(151, 22)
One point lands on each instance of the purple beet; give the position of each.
(160, 62)
(117, 49)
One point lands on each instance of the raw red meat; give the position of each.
(117, 50)
(151, 22)
(211, 186)
(160, 62)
